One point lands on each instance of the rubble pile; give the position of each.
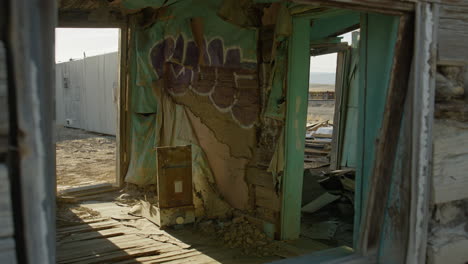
(240, 233)
(318, 145)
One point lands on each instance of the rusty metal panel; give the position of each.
(174, 176)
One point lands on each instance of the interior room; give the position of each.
(204, 134)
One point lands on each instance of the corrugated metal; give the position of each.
(86, 93)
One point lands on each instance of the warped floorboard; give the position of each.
(136, 240)
(111, 235)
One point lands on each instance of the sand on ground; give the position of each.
(84, 158)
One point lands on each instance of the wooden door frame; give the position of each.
(422, 80)
(122, 119)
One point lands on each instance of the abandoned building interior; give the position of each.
(215, 148)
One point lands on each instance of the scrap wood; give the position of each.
(320, 202)
(316, 151)
(84, 189)
(320, 159)
(341, 172)
(315, 126)
(348, 183)
(315, 165)
(323, 135)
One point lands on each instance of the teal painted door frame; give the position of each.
(296, 115)
(379, 39)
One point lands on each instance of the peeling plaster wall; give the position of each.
(207, 68)
(229, 172)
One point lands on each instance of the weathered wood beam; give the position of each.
(389, 134)
(123, 118)
(340, 102)
(90, 19)
(376, 6)
(453, 37)
(31, 86)
(422, 114)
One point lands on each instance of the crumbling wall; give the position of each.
(194, 80)
(448, 234)
(448, 230)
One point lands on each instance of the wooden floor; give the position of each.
(114, 236)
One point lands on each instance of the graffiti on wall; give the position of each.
(210, 70)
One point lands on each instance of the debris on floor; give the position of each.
(329, 216)
(322, 201)
(107, 237)
(240, 233)
(318, 145)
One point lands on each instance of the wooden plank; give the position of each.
(89, 19)
(387, 145)
(316, 145)
(422, 115)
(376, 53)
(7, 242)
(317, 141)
(119, 254)
(89, 249)
(316, 151)
(453, 33)
(92, 193)
(105, 233)
(7, 251)
(340, 99)
(267, 198)
(84, 189)
(88, 227)
(4, 119)
(33, 81)
(6, 216)
(176, 254)
(295, 127)
(123, 124)
(377, 6)
(323, 136)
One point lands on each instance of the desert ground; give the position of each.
(84, 158)
(320, 110)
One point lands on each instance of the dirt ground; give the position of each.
(320, 110)
(84, 158)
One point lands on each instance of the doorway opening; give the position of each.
(363, 72)
(86, 112)
(327, 212)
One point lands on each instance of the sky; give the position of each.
(73, 43)
(327, 63)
